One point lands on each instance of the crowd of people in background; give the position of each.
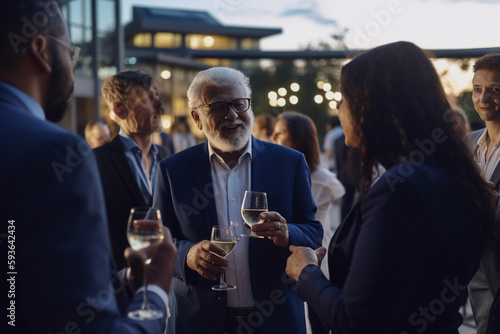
(388, 231)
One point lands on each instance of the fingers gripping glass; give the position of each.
(254, 202)
(74, 51)
(220, 108)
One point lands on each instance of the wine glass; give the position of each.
(224, 237)
(144, 228)
(254, 202)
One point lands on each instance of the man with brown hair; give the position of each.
(128, 163)
(485, 143)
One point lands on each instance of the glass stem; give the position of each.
(145, 302)
(223, 279)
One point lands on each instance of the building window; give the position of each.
(250, 44)
(207, 42)
(143, 40)
(167, 40)
(216, 62)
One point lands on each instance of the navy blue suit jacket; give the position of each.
(184, 194)
(401, 260)
(52, 193)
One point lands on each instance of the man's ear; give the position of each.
(196, 118)
(120, 110)
(39, 48)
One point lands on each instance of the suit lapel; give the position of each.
(260, 167)
(202, 174)
(121, 164)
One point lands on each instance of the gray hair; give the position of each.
(218, 77)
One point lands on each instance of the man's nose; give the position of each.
(231, 114)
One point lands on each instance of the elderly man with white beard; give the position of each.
(204, 186)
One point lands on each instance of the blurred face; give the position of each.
(486, 95)
(227, 133)
(281, 136)
(60, 87)
(145, 109)
(351, 137)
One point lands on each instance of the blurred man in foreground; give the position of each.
(52, 205)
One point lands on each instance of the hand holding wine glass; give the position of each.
(144, 229)
(224, 236)
(254, 203)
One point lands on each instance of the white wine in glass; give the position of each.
(254, 203)
(144, 229)
(224, 236)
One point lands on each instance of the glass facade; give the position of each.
(167, 40)
(93, 26)
(207, 42)
(143, 40)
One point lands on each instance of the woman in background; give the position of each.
(297, 131)
(401, 260)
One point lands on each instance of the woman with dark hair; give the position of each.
(401, 260)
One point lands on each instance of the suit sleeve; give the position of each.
(304, 229)
(379, 283)
(65, 280)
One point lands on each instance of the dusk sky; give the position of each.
(445, 24)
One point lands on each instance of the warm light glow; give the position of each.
(208, 41)
(294, 99)
(167, 124)
(273, 103)
(327, 87)
(320, 84)
(337, 96)
(333, 104)
(166, 74)
(281, 102)
(282, 91)
(318, 99)
(295, 87)
(329, 95)
(272, 95)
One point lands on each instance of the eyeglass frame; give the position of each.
(228, 104)
(73, 49)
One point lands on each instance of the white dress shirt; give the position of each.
(229, 189)
(487, 165)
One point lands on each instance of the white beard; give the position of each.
(233, 143)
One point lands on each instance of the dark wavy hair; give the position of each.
(304, 136)
(397, 103)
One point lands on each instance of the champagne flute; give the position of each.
(224, 237)
(254, 202)
(144, 229)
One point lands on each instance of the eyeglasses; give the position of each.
(220, 108)
(74, 51)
